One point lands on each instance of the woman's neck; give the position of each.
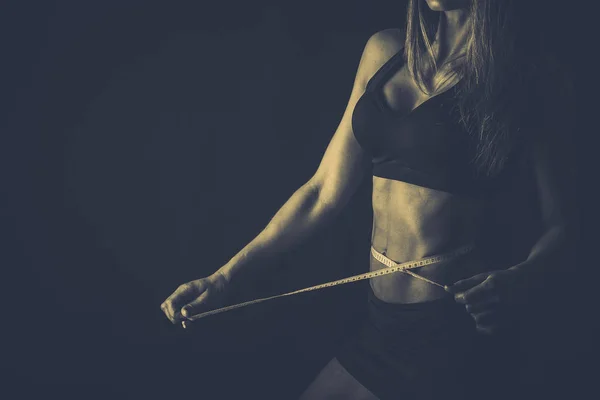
(452, 34)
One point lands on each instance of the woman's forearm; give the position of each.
(544, 250)
(302, 215)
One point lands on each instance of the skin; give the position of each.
(448, 6)
(409, 222)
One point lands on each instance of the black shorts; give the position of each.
(418, 351)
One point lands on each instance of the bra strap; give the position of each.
(384, 71)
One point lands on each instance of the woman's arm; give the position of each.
(316, 203)
(555, 178)
(489, 295)
(319, 200)
(555, 175)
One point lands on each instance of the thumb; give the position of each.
(196, 306)
(465, 284)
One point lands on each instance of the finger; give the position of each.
(182, 295)
(462, 285)
(163, 307)
(166, 310)
(483, 305)
(485, 318)
(196, 306)
(477, 293)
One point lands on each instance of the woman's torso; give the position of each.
(425, 199)
(412, 222)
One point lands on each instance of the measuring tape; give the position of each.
(392, 268)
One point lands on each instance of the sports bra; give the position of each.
(427, 147)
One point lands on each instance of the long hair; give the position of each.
(497, 77)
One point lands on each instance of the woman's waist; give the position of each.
(462, 256)
(424, 276)
(409, 242)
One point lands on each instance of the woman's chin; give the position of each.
(447, 5)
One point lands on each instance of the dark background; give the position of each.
(144, 143)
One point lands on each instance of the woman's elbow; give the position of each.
(329, 197)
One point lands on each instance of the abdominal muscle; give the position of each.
(411, 222)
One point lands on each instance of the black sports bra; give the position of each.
(427, 147)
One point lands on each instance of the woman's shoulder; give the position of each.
(380, 47)
(389, 39)
(385, 43)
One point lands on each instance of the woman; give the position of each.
(440, 117)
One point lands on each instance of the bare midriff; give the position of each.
(411, 222)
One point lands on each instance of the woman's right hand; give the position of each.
(195, 297)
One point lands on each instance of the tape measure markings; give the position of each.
(392, 268)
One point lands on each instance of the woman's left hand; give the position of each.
(489, 297)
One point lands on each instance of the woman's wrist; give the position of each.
(227, 272)
(238, 265)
